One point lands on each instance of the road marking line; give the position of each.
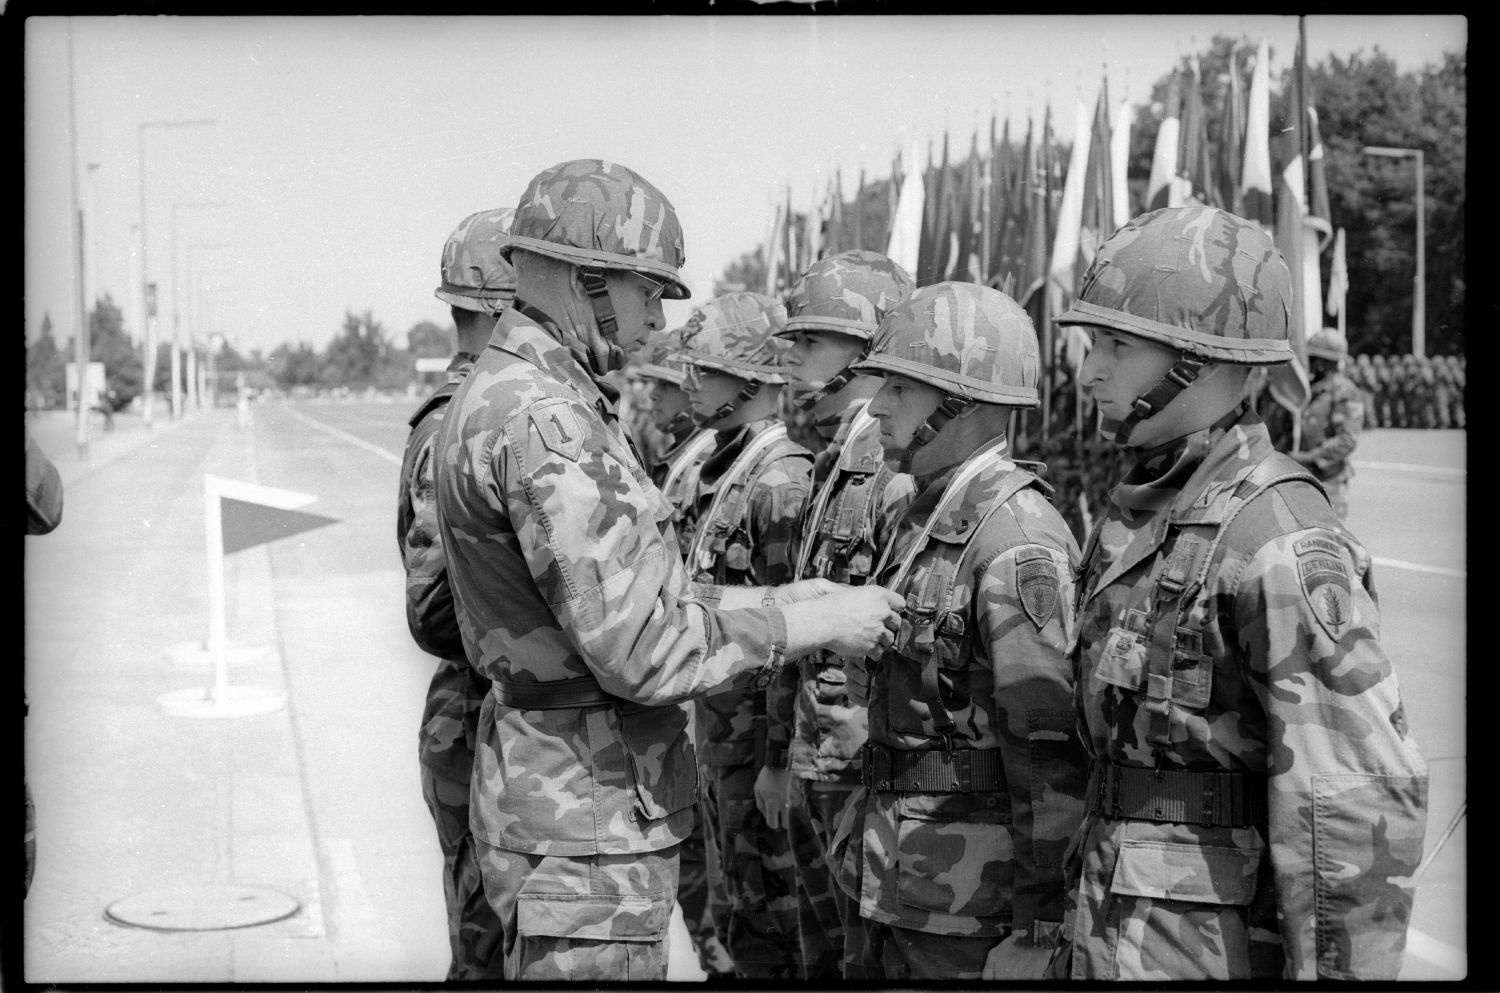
(1426, 470)
(1441, 954)
(1435, 570)
(345, 436)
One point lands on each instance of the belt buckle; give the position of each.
(1210, 789)
(962, 768)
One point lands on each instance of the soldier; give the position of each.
(572, 598)
(1456, 369)
(674, 471)
(751, 492)
(1363, 375)
(476, 284)
(1425, 389)
(833, 312)
(1331, 420)
(1382, 391)
(1256, 805)
(973, 773)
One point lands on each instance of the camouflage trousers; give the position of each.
(595, 918)
(700, 892)
(756, 862)
(473, 930)
(1227, 933)
(905, 955)
(822, 907)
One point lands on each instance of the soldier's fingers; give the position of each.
(895, 600)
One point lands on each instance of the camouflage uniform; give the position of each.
(571, 599)
(1330, 424)
(473, 278)
(751, 492)
(839, 539)
(1363, 376)
(973, 774)
(1456, 370)
(1256, 806)
(1382, 374)
(674, 472)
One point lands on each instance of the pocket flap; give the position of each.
(1192, 873)
(594, 918)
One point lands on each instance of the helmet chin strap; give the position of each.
(835, 383)
(1178, 378)
(679, 422)
(728, 407)
(950, 408)
(604, 316)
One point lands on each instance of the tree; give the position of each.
(354, 357)
(108, 343)
(45, 377)
(293, 365)
(748, 272)
(427, 340)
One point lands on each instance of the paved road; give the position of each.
(319, 799)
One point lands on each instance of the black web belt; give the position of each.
(1212, 798)
(560, 694)
(962, 770)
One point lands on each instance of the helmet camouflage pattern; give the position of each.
(662, 359)
(595, 213)
(1196, 279)
(847, 293)
(967, 340)
(1328, 344)
(736, 333)
(473, 276)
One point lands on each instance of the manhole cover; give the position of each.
(202, 908)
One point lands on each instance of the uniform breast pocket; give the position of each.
(1122, 663)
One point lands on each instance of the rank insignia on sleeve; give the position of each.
(1325, 584)
(1036, 584)
(558, 428)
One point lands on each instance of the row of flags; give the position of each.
(1014, 218)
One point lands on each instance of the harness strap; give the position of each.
(1178, 378)
(716, 522)
(814, 521)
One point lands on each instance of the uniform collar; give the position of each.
(529, 334)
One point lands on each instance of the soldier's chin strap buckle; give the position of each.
(950, 408)
(835, 383)
(749, 390)
(598, 292)
(1178, 378)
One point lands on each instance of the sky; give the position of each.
(342, 151)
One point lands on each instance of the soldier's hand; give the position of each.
(770, 795)
(1016, 958)
(861, 620)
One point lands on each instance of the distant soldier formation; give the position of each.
(760, 621)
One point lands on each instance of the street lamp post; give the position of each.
(177, 322)
(1419, 286)
(148, 327)
(209, 387)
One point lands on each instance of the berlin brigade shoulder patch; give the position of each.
(1325, 584)
(1037, 584)
(557, 426)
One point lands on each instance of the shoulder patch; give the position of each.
(1037, 584)
(1325, 584)
(558, 427)
(1314, 544)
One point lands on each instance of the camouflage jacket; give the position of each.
(854, 494)
(979, 668)
(747, 540)
(445, 742)
(1330, 425)
(1271, 666)
(563, 564)
(675, 473)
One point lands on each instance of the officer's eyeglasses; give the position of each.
(658, 287)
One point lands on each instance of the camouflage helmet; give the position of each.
(847, 293)
(736, 334)
(473, 276)
(1196, 279)
(601, 214)
(969, 341)
(1329, 343)
(661, 359)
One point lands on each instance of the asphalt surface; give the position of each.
(318, 801)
